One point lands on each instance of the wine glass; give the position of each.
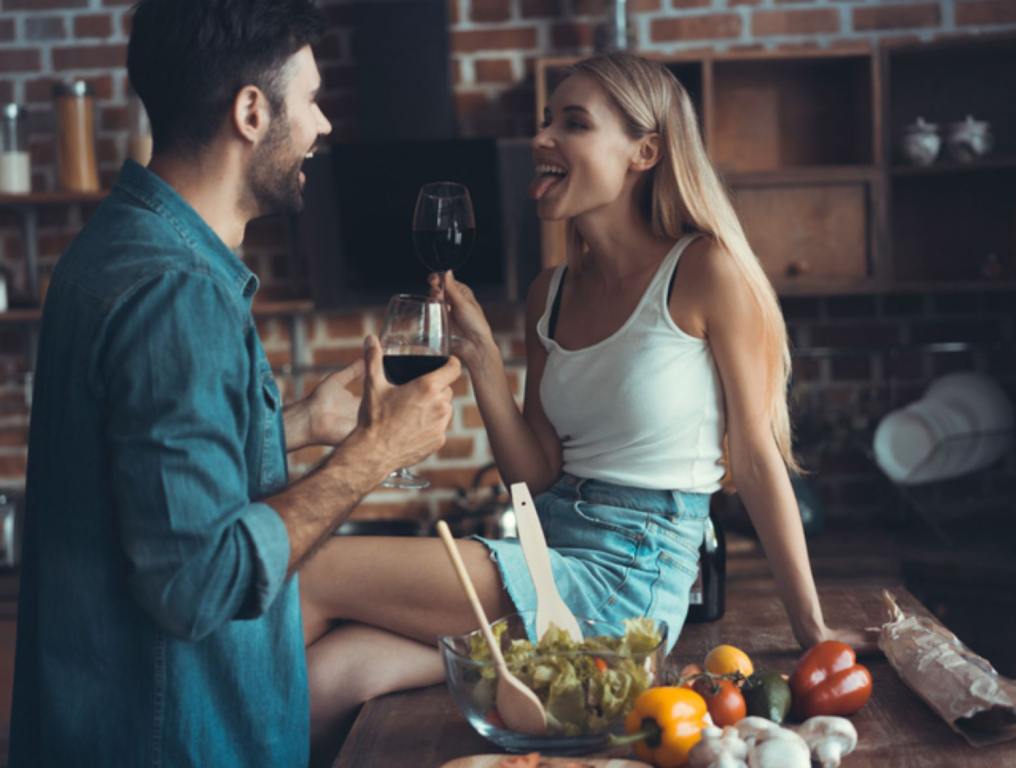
(414, 341)
(444, 226)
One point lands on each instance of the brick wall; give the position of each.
(842, 383)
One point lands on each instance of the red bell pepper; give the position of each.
(829, 681)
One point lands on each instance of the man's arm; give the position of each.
(396, 426)
(174, 373)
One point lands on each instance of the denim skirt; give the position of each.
(616, 552)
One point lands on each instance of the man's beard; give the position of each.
(273, 176)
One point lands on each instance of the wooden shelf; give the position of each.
(29, 316)
(807, 142)
(803, 286)
(52, 198)
(20, 316)
(282, 308)
(947, 167)
(805, 175)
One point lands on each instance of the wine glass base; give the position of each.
(405, 480)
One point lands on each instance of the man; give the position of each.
(159, 615)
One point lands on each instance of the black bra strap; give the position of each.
(555, 310)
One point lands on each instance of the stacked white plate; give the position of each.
(963, 423)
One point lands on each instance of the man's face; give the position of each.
(274, 174)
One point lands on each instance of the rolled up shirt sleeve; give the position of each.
(177, 373)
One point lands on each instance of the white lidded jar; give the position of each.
(15, 165)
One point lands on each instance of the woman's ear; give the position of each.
(648, 152)
(251, 113)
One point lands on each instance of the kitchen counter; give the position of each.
(422, 728)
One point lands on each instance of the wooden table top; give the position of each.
(423, 728)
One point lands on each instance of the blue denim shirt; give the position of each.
(156, 625)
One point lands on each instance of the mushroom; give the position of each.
(829, 738)
(770, 746)
(753, 727)
(719, 749)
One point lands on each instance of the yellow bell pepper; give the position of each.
(665, 723)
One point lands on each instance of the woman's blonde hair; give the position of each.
(684, 195)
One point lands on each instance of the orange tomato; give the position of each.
(726, 660)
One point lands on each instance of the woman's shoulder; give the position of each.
(710, 271)
(709, 282)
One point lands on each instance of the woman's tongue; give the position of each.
(539, 186)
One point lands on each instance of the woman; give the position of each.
(648, 388)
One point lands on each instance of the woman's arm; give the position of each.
(327, 415)
(731, 320)
(525, 446)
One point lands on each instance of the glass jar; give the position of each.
(616, 32)
(10, 544)
(74, 104)
(15, 166)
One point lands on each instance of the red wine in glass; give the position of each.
(444, 226)
(402, 369)
(414, 342)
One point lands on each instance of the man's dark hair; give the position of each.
(187, 60)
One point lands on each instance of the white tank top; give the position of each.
(643, 407)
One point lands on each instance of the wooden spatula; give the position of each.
(518, 706)
(550, 608)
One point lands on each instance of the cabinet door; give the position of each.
(809, 231)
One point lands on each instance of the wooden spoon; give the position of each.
(550, 608)
(518, 706)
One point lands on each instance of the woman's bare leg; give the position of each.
(352, 664)
(405, 585)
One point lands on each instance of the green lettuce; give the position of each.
(579, 697)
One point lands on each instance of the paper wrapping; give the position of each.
(960, 686)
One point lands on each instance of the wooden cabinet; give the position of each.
(953, 221)
(807, 144)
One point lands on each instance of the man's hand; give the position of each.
(404, 424)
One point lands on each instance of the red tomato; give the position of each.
(724, 699)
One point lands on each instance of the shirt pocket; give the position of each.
(272, 459)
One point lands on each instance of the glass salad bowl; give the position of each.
(586, 689)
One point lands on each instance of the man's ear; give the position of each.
(251, 113)
(648, 152)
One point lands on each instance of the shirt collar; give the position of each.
(157, 194)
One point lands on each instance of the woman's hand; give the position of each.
(332, 409)
(863, 641)
(472, 334)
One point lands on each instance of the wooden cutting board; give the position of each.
(493, 761)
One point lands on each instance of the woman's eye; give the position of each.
(575, 126)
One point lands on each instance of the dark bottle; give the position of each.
(707, 598)
(443, 249)
(402, 369)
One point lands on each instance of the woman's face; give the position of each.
(582, 154)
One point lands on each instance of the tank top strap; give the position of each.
(660, 285)
(548, 307)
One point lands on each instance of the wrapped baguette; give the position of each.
(961, 687)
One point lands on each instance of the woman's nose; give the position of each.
(542, 139)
